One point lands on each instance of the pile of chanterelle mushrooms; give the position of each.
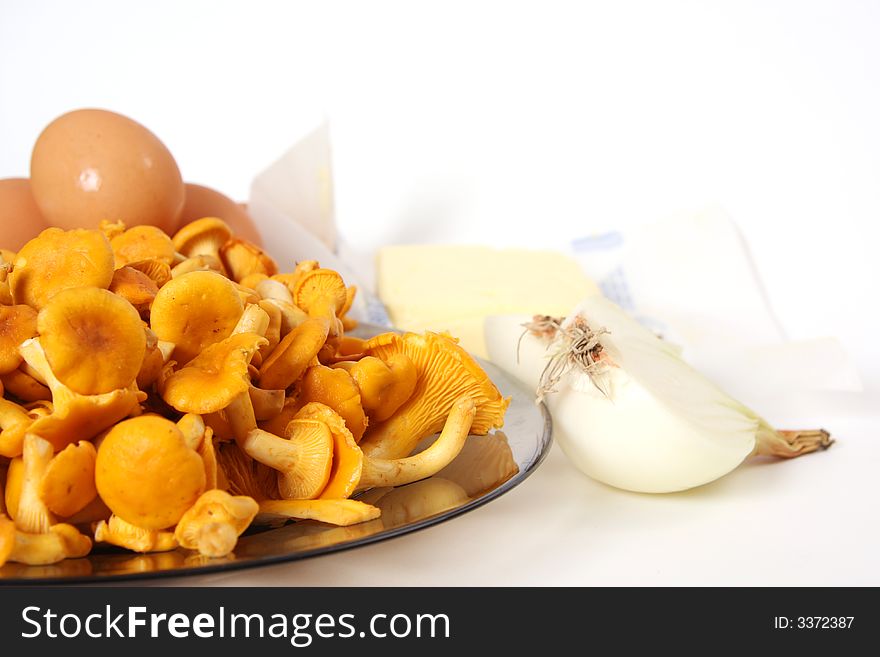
(169, 391)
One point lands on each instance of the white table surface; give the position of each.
(533, 124)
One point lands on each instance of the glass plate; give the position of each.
(487, 467)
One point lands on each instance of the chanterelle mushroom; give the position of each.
(61, 541)
(214, 523)
(74, 416)
(289, 360)
(302, 459)
(384, 386)
(217, 380)
(32, 515)
(194, 311)
(136, 287)
(117, 531)
(17, 324)
(68, 485)
(405, 470)
(56, 260)
(333, 512)
(446, 372)
(348, 460)
(94, 340)
(336, 389)
(141, 243)
(202, 237)
(14, 422)
(147, 474)
(321, 293)
(241, 259)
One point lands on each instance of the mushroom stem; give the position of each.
(266, 403)
(397, 472)
(192, 426)
(253, 320)
(270, 289)
(32, 515)
(240, 416)
(303, 461)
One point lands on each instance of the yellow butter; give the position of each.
(453, 288)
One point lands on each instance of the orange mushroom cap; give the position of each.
(336, 389)
(147, 474)
(194, 311)
(56, 260)
(94, 340)
(211, 380)
(142, 243)
(17, 324)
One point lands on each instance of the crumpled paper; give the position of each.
(691, 279)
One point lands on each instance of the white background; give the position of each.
(532, 123)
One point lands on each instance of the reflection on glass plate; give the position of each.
(488, 466)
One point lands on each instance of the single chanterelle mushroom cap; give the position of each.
(445, 373)
(321, 293)
(74, 416)
(202, 237)
(60, 542)
(214, 523)
(211, 381)
(336, 389)
(333, 512)
(147, 474)
(14, 422)
(157, 271)
(117, 531)
(195, 311)
(405, 470)
(56, 260)
(289, 360)
(302, 459)
(94, 340)
(141, 243)
(135, 287)
(241, 259)
(348, 460)
(17, 324)
(384, 386)
(68, 485)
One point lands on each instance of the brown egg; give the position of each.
(91, 164)
(206, 202)
(20, 218)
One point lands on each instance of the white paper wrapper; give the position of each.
(691, 279)
(291, 203)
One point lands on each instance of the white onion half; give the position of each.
(646, 422)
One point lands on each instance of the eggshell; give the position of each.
(90, 164)
(206, 202)
(20, 218)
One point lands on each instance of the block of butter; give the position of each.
(452, 288)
